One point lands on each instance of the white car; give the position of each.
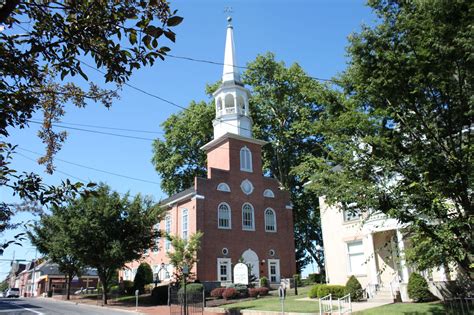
(12, 292)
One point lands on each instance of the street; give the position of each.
(42, 306)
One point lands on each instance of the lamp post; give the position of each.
(185, 274)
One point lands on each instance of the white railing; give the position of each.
(395, 285)
(344, 305)
(325, 305)
(371, 290)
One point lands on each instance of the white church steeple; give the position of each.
(232, 98)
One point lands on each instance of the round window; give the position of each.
(225, 251)
(247, 187)
(272, 252)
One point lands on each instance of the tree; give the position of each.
(285, 103)
(184, 253)
(52, 237)
(401, 137)
(143, 277)
(38, 59)
(107, 230)
(178, 158)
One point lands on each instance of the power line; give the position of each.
(95, 131)
(105, 127)
(95, 169)
(240, 67)
(72, 176)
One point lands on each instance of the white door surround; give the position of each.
(251, 258)
(274, 270)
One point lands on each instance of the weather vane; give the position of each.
(229, 11)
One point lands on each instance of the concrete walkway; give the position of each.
(356, 306)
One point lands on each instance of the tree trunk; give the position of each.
(68, 286)
(103, 279)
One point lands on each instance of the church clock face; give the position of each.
(247, 187)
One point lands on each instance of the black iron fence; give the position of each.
(181, 304)
(459, 306)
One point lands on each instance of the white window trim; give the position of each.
(348, 255)
(253, 218)
(230, 216)
(184, 215)
(265, 219)
(168, 230)
(277, 262)
(223, 187)
(228, 262)
(268, 193)
(243, 166)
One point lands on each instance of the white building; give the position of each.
(372, 249)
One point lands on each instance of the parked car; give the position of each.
(13, 292)
(86, 290)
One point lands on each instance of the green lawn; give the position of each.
(272, 303)
(433, 308)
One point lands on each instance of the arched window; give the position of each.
(240, 104)
(223, 216)
(268, 193)
(229, 102)
(184, 224)
(245, 160)
(223, 187)
(248, 219)
(156, 230)
(270, 220)
(219, 104)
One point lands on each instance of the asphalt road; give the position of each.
(41, 306)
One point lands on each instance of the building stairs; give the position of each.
(383, 295)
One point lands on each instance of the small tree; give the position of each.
(354, 288)
(418, 288)
(143, 277)
(184, 253)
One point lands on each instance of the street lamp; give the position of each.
(185, 274)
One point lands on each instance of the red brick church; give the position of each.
(242, 214)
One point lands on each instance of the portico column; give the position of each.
(371, 259)
(401, 250)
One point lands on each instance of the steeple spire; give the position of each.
(232, 98)
(230, 73)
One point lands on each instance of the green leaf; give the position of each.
(174, 20)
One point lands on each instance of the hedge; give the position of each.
(263, 291)
(217, 292)
(418, 288)
(230, 293)
(321, 290)
(354, 288)
(253, 292)
(263, 282)
(191, 288)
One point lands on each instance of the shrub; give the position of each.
(143, 276)
(263, 291)
(297, 279)
(337, 291)
(128, 287)
(263, 282)
(191, 288)
(354, 288)
(418, 288)
(229, 293)
(316, 278)
(217, 292)
(114, 289)
(159, 295)
(313, 292)
(253, 292)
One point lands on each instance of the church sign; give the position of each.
(241, 274)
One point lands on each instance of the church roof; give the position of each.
(190, 192)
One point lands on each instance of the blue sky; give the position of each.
(311, 33)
